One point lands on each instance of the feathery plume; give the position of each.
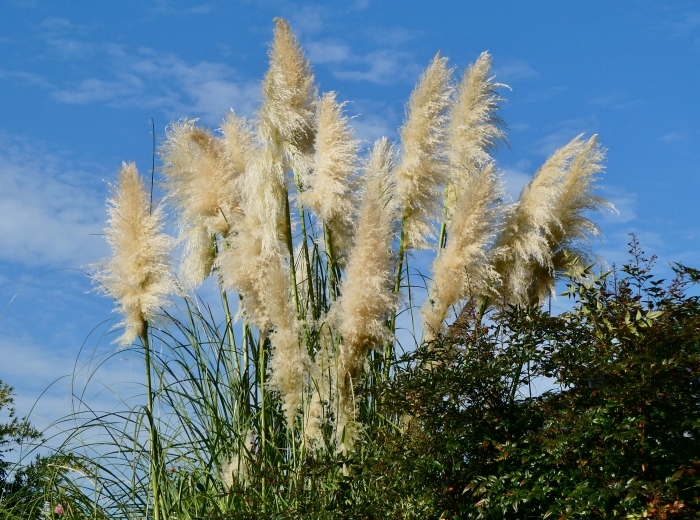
(475, 127)
(265, 196)
(422, 173)
(548, 216)
(331, 190)
(287, 114)
(262, 279)
(138, 274)
(367, 298)
(201, 171)
(569, 223)
(463, 268)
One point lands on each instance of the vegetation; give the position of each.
(305, 403)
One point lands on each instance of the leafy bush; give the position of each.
(617, 435)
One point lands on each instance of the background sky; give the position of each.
(80, 80)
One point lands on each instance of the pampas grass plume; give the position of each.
(367, 297)
(201, 172)
(549, 215)
(331, 191)
(422, 173)
(475, 127)
(287, 114)
(463, 268)
(138, 274)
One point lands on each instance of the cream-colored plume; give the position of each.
(475, 127)
(237, 468)
(422, 174)
(265, 198)
(332, 187)
(570, 228)
(262, 279)
(549, 216)
(287, 114)
(201, 171)
(138, 274)
(367, 298)
(462, 269)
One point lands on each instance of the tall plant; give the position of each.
(309, 244)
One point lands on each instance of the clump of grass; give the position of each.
(311, 241)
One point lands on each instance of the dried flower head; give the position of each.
(138, 274)
(331, 191)
(548, 217)
(462, 268)
(287, 114)
(422, 173)
(475, 127)
(201, 171)
(367, 297)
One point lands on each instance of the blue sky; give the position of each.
(80, 80)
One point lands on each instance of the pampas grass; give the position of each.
(312, 243)
(422, 172)
(549, 217)
(463, 268)
(138, 274)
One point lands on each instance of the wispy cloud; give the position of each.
(625, 203)
(372, 120)
(151, 79)
(514, 70)
(682, 23)
(382, 66)
(561, 133)
(167, 7)
(26, 78)
(50, 211)
(516, 176)
(616, 101)
(673, 137)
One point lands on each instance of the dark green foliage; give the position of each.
(618, 434)
(13, 431)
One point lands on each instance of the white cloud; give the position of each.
(563, 132)
(372, 120)
(625, 203)
(94, 90)
(516, 177)
(673, 137)
(166, 7)
(49, 210)
(150, 79)
(327, 52)
(513, 70)
(384, 67)
(616, 101)
(308, 19)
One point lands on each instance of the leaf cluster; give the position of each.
(617, 433)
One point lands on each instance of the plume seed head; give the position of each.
(550, 217)
(287, 113)
(367, 297)
(462, 268)
(138, 274)
(422, 173)
(475, 127)
(331, 194)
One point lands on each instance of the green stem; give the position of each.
(305, 248)
(389, 347)
(263, 408)
(152, 433)
(333, 269)
(290, 249)
(442, 239)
